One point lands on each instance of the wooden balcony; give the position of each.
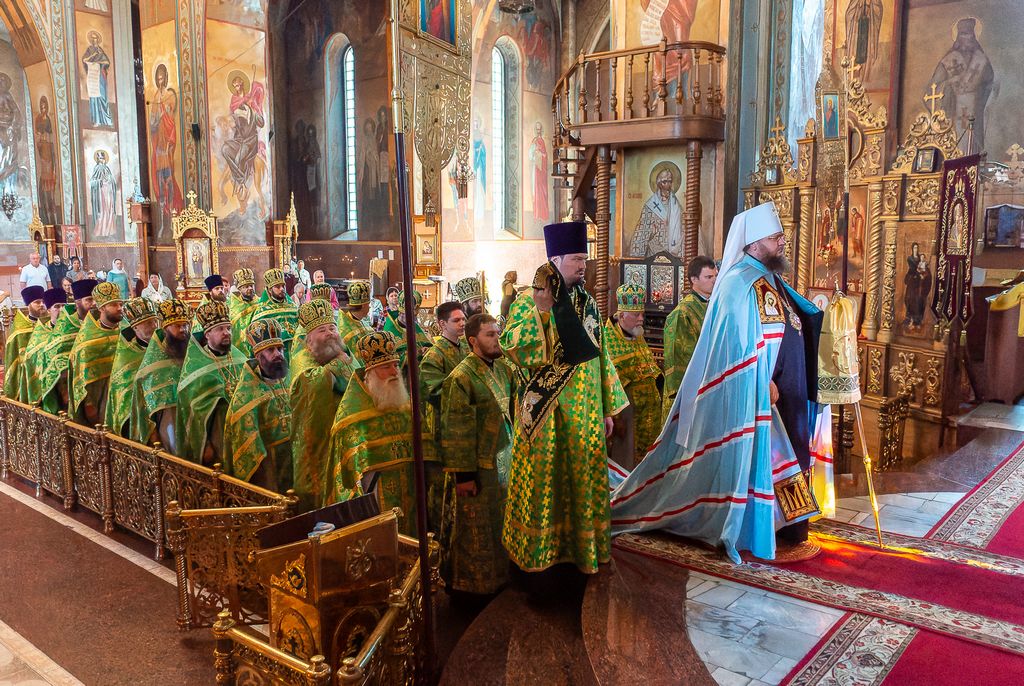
(668, 93)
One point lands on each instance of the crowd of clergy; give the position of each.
(518, 415)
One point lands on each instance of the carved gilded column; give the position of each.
(603, 217)
(888, 304)
(805, 240)
(873, 261)
(691, 212)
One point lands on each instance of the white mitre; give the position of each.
(747, 227)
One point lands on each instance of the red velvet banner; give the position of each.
(955, 237)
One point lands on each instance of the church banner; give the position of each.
(955, 237)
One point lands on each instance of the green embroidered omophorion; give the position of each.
(89, 364)
(15, 372)
(682, 329)
(121, 390)
(258, 430)
(54, 366)
(557, 507)
(204, 390)
(638, 372)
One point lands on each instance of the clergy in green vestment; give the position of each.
(54, 369)
(257, 435)
(448, 350)
(638, 373)
(683, 325)
(558, 507)
(208, 377)
(54, 300)
(275, 304)
(372, 433)
(141, 315)
(315, 394)
(299, 358)
(476, 446)
(15, 353)
(241, 304)
(470, 292)
(216, 291)
(350, 320)
(155, 405)
(395, 325)
(92, 356)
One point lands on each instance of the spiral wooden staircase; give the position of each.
(665, 94)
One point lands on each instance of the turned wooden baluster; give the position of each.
(711, 84)
(613, 101)
(695, 71)
(581, 78)
(662, 81)
(718, 84)
(597, 90)
(679, 80)
(629, 88)
(647, 84)
(567, 106)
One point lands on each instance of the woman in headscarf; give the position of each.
(75, 270)
(299, 295)
(119, 277)
(156, 291)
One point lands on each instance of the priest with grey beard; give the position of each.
(315, 394)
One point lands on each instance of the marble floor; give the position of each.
(750, 637)
(22, 664)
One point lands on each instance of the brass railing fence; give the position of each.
(126, 483)
(681, 79)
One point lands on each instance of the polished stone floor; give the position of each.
(750, 637)
(22, 664)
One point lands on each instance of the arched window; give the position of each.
(506, 132)
(340, 154)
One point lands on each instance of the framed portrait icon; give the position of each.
(830, 116)
(439, 21)
(924, 161)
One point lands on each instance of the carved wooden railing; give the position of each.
(128, 484)
(679, 80)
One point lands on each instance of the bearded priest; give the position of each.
(241, 304)
(92, 356)
(22, 328)
(155, 405)
(131, 347)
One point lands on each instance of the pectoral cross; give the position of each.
(930, 99)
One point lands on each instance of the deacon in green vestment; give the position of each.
(558, 507)
(683, 325)
(257, 436)
(208, 378)
(141, 316)
(275, 304)
(639, 375)
(54, 300)
(241, 304)
(15, 356)
(315, 394)
(54, 369)
(395, 325)
(350, 321)
(92, 356)
(476, 444)
(372, 433)
(155, 405)
(448, 350)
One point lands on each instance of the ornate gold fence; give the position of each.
(128, 484)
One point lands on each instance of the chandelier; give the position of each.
(10, 203)
(517, 6)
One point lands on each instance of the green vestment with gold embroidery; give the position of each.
(258, 431)
(557, 507)
(350, 329)
(682, 329)
(204, 390)
(156, 388)
(54, 370)
(121, 389)
(476, 445)
(15, 367)
(89, 364)
(240, 313)
(34, 361)
(423, 341)
(315, 395)
(638, 373)
(284, 312)
(365, 439)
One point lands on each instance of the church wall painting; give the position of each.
(971, 50)
(102, 177)
(251, 13)
(163, 122)
(96, 88)
(152, 12)
(44, 142)
(15, 152)
(864, 31)
(238, 115)
(652, 202)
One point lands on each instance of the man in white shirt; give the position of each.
(35, 274)
(303, 275)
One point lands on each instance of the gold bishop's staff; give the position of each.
(405, 230)
(844, 222)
